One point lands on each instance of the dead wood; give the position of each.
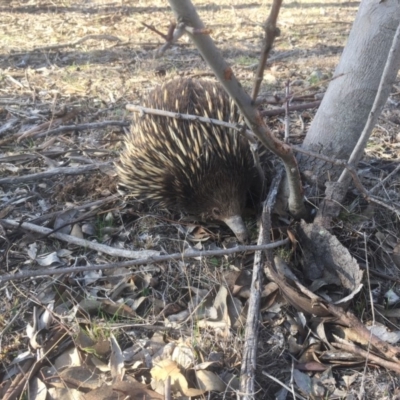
(55, 171)
(148, 260)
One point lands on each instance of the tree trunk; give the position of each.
(348, 101)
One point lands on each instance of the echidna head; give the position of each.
(219, 196)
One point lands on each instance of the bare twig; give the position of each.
(381, 183)
(296, 107)
(287, 116)
(166, 37)
(69, 128)
(45, 126)
(77, 241)
(174, 34)
(150, 260)
(347, 318)
(55, 171)
(275, 57)
(190, 117)
(91, 205)
(249, 358)
(8, 125)
(10, 102)
(372, 357)
(271, 31)
(79, 41)
(282, 384)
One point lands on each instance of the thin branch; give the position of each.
(168, 36)
(347, 318)
(87, 244)
(78, 41)
(190, 117)
(149, 260)
(287, 115)
(8, 125)
(93, 204)
(282, 384)
(249, 356)
(381, 183)
(174, 34)
(271, 31)
(276, 57)
(296, 107)
(55, 171)
(352, 348)
(70, 128)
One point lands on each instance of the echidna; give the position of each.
(200, 169)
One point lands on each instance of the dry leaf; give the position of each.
(208, 381)
(116, 360)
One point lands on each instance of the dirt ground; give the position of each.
(67, 71)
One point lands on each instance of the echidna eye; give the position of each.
(216, 212)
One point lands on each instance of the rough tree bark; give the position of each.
(348, 101)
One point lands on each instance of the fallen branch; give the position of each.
(11, 102)
(352, 348)
(93, 204)
(45, 126)
(79, 41)
(8, 125)
(190, 117)
(270, 31)
(306, 300)
(283, 385)
(69, 128)
(149, 260)
(350, 320)
(77, 241)
(296, 107)
(174, 34)
(381, 182)
(276, 57)
(81, 127)
(249, 356)
(55, 171)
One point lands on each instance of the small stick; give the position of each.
(350, 347)
(282, 384)
(190, 117)
(70, 128)
(54, 171)
(297, 107)
(130, 263)
(77, 241)
(287, 115)
(79, 41)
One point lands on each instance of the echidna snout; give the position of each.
(238, 227)
(199, 169)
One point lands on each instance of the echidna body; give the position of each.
(200, 169)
